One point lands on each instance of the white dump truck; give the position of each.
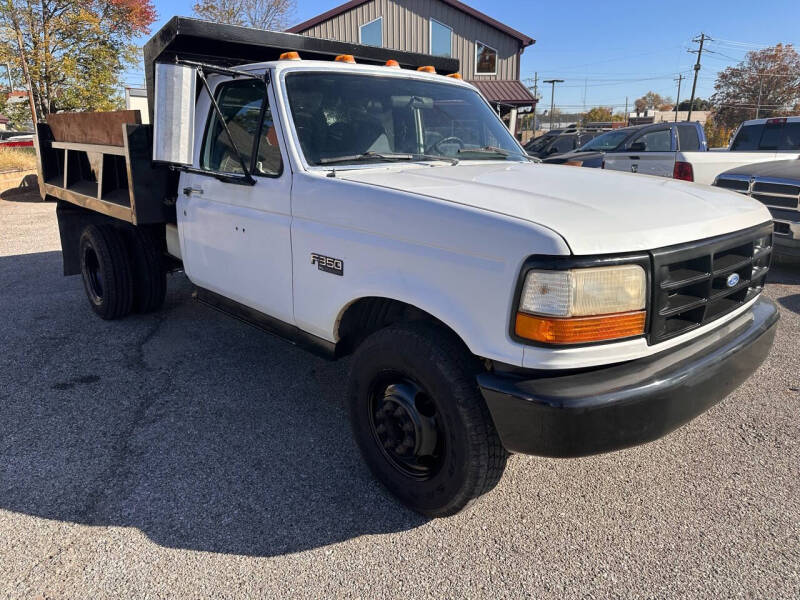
(359, 201)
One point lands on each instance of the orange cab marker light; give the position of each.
(455, 76)
(427, 69)
(290, 56)
(346, 58)
(392, 64)
(577, 330)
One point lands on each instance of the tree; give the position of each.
(72, 53)
(652, 100)
(699, 104)
(261, 14)
(599, 114)
(717, 134)
(766, 82)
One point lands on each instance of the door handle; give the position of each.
(635, 157)
(188, 191)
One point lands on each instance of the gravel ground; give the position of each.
(184, 454)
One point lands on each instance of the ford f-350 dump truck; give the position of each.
(369, 205)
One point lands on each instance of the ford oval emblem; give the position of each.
(733, 280)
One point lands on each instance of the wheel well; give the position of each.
(365, 316)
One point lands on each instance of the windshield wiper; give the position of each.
(386, 156)
(494, 150)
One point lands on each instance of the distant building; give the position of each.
(136, 99)
(489, 52)
(3, 122)
(659, 116)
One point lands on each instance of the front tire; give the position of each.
(420, 421)
(106, 271)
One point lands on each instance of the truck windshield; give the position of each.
(343, 118)
(607, 141)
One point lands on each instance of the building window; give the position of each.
(371, 33)
(441, 39)
(485, 59)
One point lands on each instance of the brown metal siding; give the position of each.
(406, 26)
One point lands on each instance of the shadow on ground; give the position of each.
(26, 191)
(201, 432)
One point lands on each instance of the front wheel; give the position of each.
(420, 421)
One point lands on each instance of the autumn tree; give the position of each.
(71, 53)
(699, 104)
(652, 100)
(767, 81)
(598, 114)
(261, 14)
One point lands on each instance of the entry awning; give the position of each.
(505, 91)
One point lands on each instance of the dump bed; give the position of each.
(102, 162)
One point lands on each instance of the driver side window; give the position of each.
(653, 141)
(240, 103)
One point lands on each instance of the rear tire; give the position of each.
(420, 421)
(106, 271)
(149, 274)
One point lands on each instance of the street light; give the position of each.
(552, 83)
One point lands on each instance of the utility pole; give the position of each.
(760, 87)
(536, 96)
(552, 83)
(627, 119)
(679, 78)
(703, 37)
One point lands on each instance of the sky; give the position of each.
(604, 51)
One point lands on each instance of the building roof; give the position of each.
(18, 94)
(4, 120)
(334, 12)
(505, 91)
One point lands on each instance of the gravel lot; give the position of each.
(184, 454)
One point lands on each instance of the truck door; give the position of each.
(651, 153)
(235, 237)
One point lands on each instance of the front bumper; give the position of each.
(630, 403)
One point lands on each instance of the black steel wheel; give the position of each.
(406, 426)
(106, 271)
(419, 419)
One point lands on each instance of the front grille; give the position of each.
(691, 285)
(739, 185)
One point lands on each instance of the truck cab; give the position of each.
(375, 208)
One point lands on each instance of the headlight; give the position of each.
(582, 305)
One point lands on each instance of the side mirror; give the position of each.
(638, 147)
(173, 113)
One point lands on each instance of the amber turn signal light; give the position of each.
(392, 63)
(455, 76)
(427, 69)
(290, 56)
(577, 330)
(346, 58)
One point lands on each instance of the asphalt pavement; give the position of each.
(185, 454)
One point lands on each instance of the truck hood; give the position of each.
(595, 211)
(787, 169)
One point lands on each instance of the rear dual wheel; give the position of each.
(122, 271)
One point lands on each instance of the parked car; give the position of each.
(4, 135)
(539, 141)
(592, 153)
(776, 184)
(491, 304)
(564, 142)
(679, 149)
(17, 141)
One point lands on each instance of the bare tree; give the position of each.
(261, 14)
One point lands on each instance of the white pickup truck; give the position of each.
(671, 149)
(490, 304)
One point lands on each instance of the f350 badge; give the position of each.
(328, 264)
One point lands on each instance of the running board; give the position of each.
(289, 333)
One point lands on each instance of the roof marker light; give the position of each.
(427, 69)
(290, 56)
(346, 58)
(392, 64)
(455, 76)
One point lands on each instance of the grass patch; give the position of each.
(17, 158)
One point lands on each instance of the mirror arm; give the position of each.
(248, 178)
